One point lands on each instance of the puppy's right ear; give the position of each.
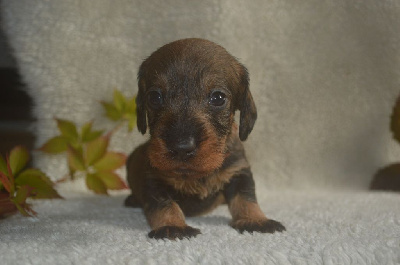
(140, 100)
(245, 103)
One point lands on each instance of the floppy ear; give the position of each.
(246, 106)
(140, 101)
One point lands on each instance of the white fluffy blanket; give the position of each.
(322, 228)
(324, 75)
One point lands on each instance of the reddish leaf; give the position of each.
(7, 207)
(3, 165)
(111, 180)
(55, 145)
(10, 176)
(41, 184)
(75, 159)
(110, 161)
(67, 129)
(95, 184)
(96, 149)
(19, 157)
(5, 181)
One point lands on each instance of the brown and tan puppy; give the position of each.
(188, 93)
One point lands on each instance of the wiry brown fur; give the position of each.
(188, 93)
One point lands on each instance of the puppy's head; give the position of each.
(188, 93)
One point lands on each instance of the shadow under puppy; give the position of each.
(188, 93)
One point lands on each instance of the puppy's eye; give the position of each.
(217, 99)
(154, 99)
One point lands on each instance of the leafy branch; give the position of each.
(17, 184)
(87, 149)
(121, 109)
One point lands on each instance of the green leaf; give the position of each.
(19, 157)
(3, 165)
(87, 134)
(55, 145)
(20, 201)
(67, 129)
(86, 129)
(75, 159)
(131, 122)
(111, 112)
(111, 180)
(96, 149)
(41, 184)
(25, 210)
(131, 106)
(110, 161)
(119, 101)
(95, 184)
(23, 193)
(93, 135)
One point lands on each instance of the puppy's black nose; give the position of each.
(184, 149)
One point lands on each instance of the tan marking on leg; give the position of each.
(169, 216)
(242, 209)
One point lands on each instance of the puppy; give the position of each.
(188, 93)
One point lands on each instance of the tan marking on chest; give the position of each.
(203, 187)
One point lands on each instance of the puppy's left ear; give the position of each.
(140, 101)
(246, 106)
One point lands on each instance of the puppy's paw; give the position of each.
(174, 232)
(262, 226)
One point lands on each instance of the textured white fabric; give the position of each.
(324, 75)
(323, 228)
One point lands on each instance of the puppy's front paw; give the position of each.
(174, 232)
(263, 226)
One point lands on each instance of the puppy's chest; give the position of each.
(209, 185)
(201, 188)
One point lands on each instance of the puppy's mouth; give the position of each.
(206, 159)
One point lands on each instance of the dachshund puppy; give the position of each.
(188, 93)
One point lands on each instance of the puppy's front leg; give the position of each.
(246, 213)
(166, 218)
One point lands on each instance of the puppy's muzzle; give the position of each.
(183, 149)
